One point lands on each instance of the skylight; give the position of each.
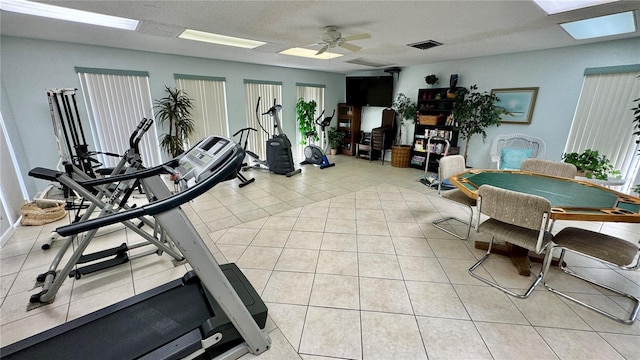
(607, 25)
(196, 35)
(67, 14)
(558, 6)
(302, 52)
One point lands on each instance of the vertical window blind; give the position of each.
(209, 105)
(268, 92)
(117, 101)
(603, 119)
(310, 92)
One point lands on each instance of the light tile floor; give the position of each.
(350, 267)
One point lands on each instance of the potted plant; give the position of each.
(590, 164)
(175, 108)
(431, 79)
(335, 139)
(305, 116)
(473, 112)
(405, 111)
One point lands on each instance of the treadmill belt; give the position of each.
(130, 332)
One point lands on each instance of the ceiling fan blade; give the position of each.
(357, 37)
(350, 47)
(324, 48)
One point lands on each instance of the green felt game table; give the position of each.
(570, 199)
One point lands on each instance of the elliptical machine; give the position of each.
(313, 153)
(279, 157)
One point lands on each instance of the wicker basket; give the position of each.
(41, 213)
(428, 119)
(400, 156)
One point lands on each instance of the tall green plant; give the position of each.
(175, 108)
(474, 111)
(305, 115)
(406, 110)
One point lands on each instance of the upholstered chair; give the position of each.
(550, 167)
(608, 249)
(516, 218)
(449, 166)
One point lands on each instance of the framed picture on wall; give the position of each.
(519, 102)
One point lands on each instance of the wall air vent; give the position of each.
(424, 45)
(370, 63)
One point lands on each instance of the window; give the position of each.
(268, 92)
(309, 92)
(603, 120)
(117, 101)
(209, 105)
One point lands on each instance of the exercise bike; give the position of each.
(279, 158)
(313, 153)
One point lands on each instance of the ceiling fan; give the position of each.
(332, 38)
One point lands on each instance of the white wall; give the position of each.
(30, 67)
(557, 72)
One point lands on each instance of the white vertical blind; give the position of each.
(209, 105)
(309, 92)
(268, 92)
(603, 120)
(116, 102)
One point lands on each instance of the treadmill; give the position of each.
(212, 312)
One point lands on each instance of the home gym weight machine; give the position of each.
(225, 317)
(314, 154)
(278, 147)
(69, 133)
(109, 199)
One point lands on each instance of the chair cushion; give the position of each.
(511, 159)
(601, 246)
(514, 234)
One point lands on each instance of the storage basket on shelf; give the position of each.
(400, 156)
(41, 212)
(428, 119)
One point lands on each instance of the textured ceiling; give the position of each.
(466, 28)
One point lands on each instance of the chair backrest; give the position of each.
(550, 167)
(450, 165)
(518, 146)
(515, 208)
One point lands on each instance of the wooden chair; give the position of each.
(449, 166)
(550, 167)
(516, 218)
(606, 248)
(508, 151)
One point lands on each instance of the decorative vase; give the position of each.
(453, 81)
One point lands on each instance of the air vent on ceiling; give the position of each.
(424, 45)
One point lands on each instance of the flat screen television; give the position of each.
(369, 90)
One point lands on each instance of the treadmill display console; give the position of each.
(195, 165)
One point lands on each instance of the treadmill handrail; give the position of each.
(224, 171)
